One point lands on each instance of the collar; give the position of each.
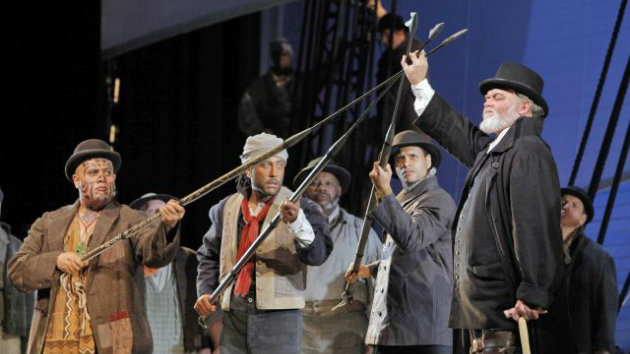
(569, 241)
(496, 141)
(333, 216)
(428, 183)
(523, 126)
(6, 227)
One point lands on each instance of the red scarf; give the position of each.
(248, 236)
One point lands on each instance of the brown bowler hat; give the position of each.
(413, 138)
(517, 77)
(89, 149)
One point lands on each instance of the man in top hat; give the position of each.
(508, 249)
(414, 277)
(590, 278)
(96, 305)
(267, 104)
(343, 330)
(261, 308)
(171, 293)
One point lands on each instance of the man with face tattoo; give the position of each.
(343, 330)
(95, 306)
(260, 310)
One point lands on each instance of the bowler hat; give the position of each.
(517, 77)
(413, 138)
(583, 196)
(341, 173)
(140, 202)
(89, 149)
(391, 21)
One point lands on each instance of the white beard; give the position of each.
(495, 122)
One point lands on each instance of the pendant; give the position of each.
(81, 248)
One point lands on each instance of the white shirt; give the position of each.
(424, 93)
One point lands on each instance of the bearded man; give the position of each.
(94, 306)
(261, 309)
(508, 245)
(342, 330)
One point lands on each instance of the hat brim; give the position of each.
(76, 159)
(138, 203)
(588, 205)
(489, 84)
(341, 173)
(436, 156)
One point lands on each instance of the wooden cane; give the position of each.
(524, 334)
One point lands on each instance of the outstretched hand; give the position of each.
(418, 69)
(172, 213)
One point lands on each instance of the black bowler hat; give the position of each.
(89, 149)
(583, 196)
(517, 77)
(390, 21)
(413, 138)
(341, 173)
(140, 202)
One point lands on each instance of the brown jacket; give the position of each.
(115, 302)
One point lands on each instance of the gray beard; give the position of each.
(330, 206)
(498, 122)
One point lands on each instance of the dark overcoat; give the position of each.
(510, 245)
(415, 276)
(590, 285)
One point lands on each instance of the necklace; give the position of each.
(82, 246)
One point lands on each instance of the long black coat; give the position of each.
(520, 205)
(590, 285)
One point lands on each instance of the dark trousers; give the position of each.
(247, 330)
(413, 349)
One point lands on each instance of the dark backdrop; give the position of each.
(176, 115)
(51, 86)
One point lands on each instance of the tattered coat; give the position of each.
(115, 279)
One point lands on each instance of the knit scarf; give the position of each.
(248, 236)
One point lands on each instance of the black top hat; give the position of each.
(341, 173)
(583, 196)
(89, 149)
(517, 77)
(413, 138)
(390, 21)
(140, 202)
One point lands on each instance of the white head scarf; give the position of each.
(258, 144)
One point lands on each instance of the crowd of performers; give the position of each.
(442, 278)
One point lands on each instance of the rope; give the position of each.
(598, 92)
(610, 132)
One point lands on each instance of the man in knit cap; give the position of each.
(261, 309)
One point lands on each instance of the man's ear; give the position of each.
(583, 219)
(525, 108)
(76, 181)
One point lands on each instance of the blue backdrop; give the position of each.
(565, 42)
